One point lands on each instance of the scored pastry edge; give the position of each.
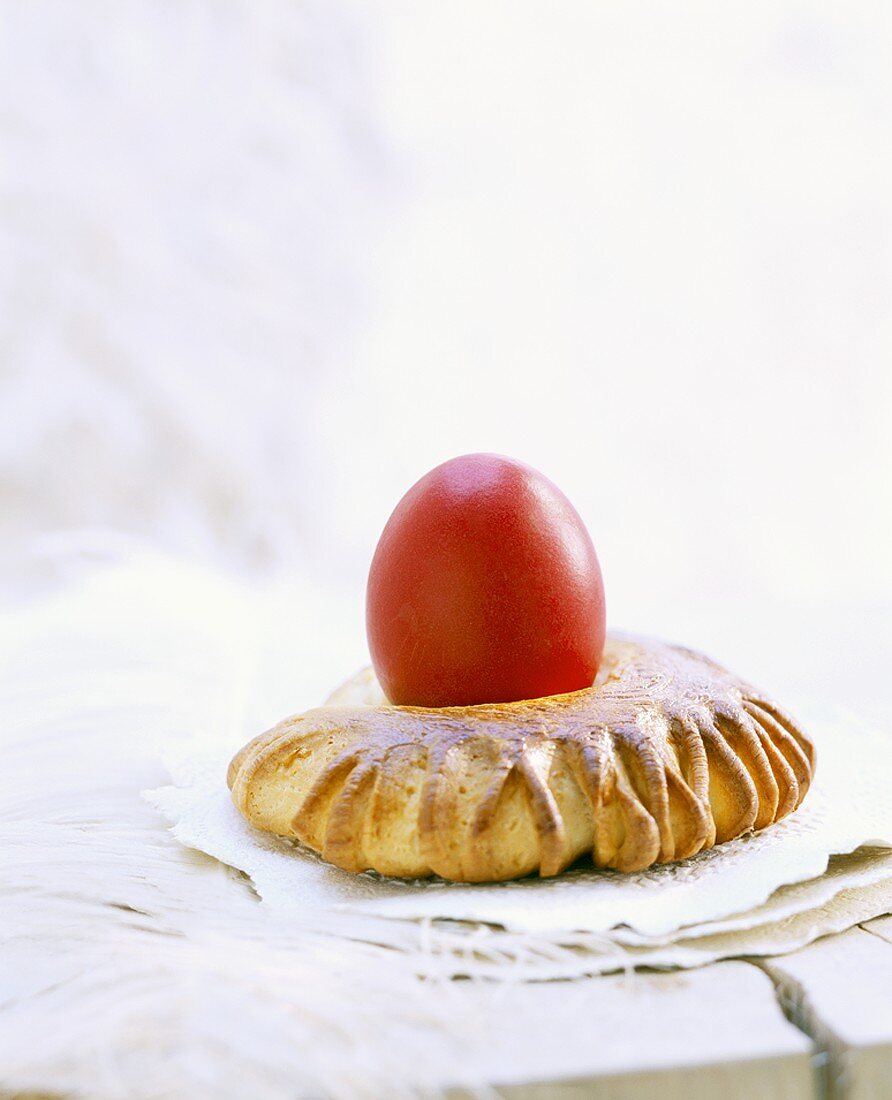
(628, 830)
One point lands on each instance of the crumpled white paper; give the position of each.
(849, 806)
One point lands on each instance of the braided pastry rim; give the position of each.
(664, 756)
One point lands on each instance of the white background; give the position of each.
(262, 266)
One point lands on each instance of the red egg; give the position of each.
(484, 588)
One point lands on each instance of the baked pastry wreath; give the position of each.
(667, 754)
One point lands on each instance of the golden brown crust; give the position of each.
(666, 755)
